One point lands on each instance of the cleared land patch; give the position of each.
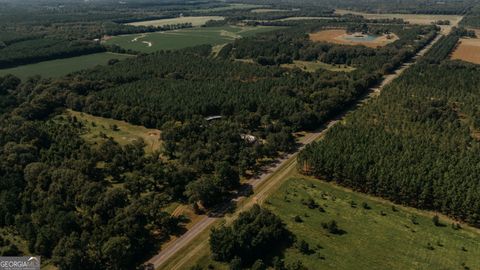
(314, 66)
(179, 39)
(98, 128)
(339, 36)
(468, 49)
(61, 67)
(375, 233)
(194, 20)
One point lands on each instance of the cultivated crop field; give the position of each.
(122, 132)
(61, 67)
(468, 49)
(194, 20)
(179, 39)
(339, 36)
(373, 234)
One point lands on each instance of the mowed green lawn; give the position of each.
(61, 67)
(183, 38)
(376, 238)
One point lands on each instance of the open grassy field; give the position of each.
(61, 67)
(194, 20)
(340, 36)
(124, 133)
(468, 49)
(376, 234)
(179, 39)
(314, 66)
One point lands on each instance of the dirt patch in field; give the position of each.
(340, 36)
(468, 49)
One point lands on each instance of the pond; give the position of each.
(361, 37)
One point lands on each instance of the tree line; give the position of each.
(416, 145)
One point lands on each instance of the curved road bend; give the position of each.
(284, 166)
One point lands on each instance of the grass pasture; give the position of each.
(194, 20)
(179, 39)
(339, 36)
(61, 67)
(376, 236)
(468, 49)
(314, 66)
(124, 133)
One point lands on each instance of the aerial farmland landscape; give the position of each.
(239, 134)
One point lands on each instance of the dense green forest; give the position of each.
(472, 18)
(266, 102)
(378, 6)
(416, 144)
(442, 49)
(250, 239)
(57, 197)
(59, 177)
(36, 50)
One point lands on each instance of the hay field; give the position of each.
(194, 20)
(61, 67)
(183, 38)
(468, 49)
(340, 36)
